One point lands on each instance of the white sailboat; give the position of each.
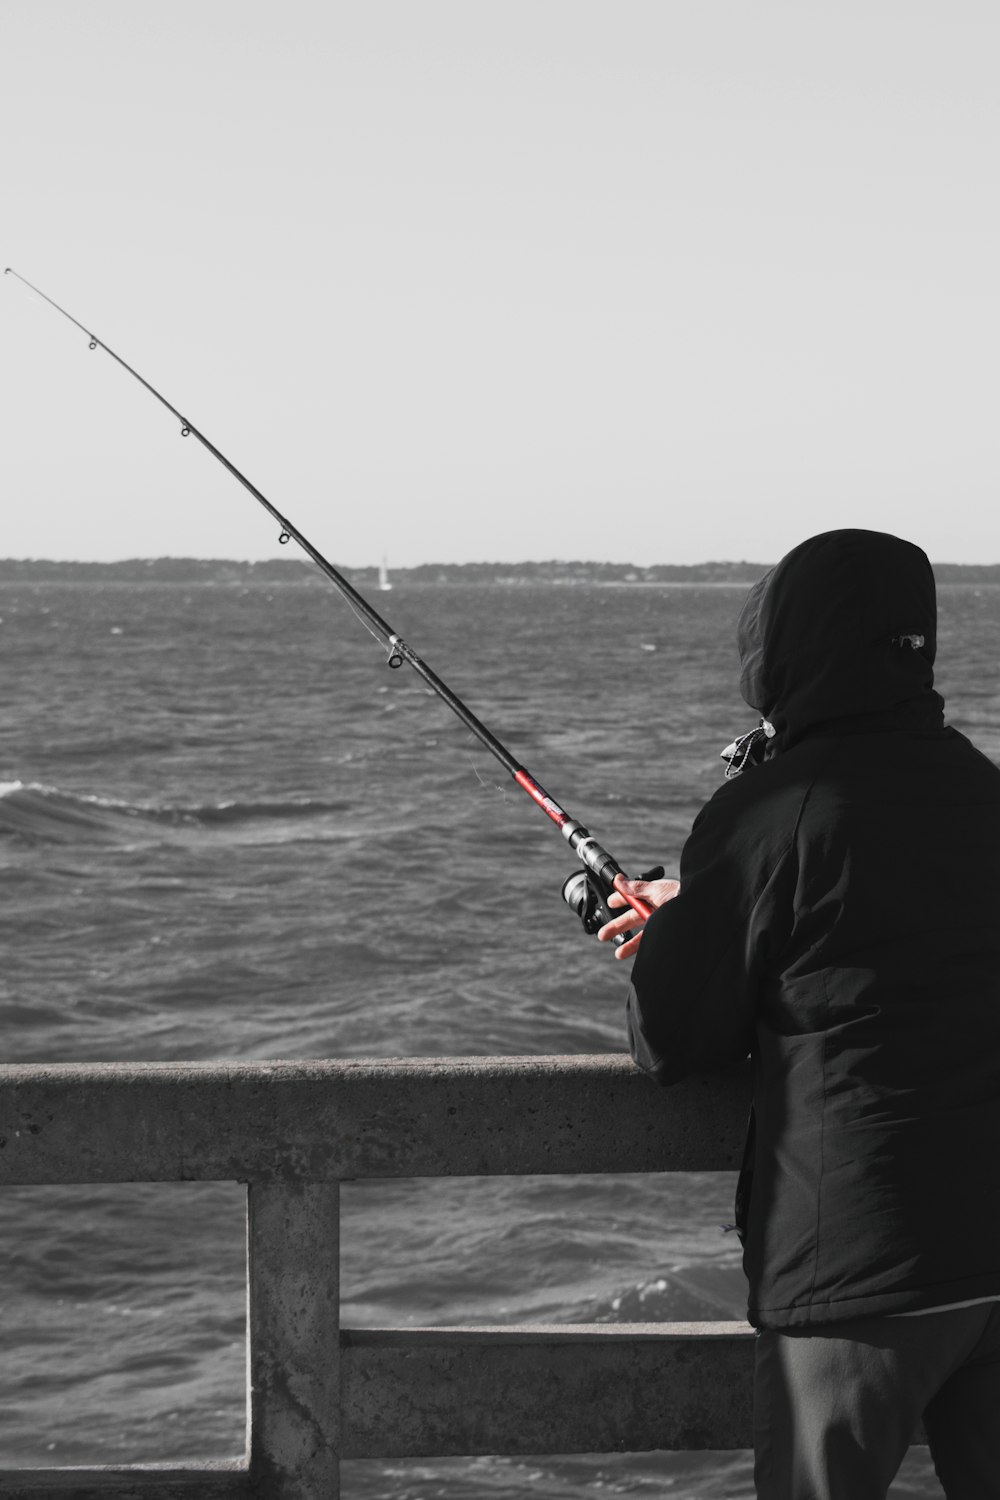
(383, 577)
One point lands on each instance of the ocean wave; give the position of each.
(46, 814)
(678, 1294)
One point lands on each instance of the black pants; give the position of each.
(835, 1407)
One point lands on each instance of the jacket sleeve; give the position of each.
(692, 1000)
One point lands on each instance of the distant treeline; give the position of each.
(294, 570)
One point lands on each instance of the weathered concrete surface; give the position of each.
(599, 1388)
(136, 1482)
(419, 1117)
(294, 1340)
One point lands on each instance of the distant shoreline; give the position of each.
(299, 571)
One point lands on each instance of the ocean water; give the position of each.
(228, 831)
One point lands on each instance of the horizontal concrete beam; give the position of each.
(595, 1388)
(321, 1121)
(135, 1482)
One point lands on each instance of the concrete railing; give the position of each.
(292, 1132)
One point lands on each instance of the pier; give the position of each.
(319, 1393)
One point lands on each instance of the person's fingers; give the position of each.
(652, 892)
(612, 929)
(642, 889)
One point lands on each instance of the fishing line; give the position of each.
(491, 786)
(358, 616)
(601, 867)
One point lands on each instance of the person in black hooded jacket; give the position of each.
(838, 920)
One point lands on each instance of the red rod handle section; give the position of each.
(641, 908)
(538, 794)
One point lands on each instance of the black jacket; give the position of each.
(839, 919)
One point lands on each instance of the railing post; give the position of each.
(293, 1254)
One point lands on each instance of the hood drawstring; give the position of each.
(748, 750)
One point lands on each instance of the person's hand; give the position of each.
(653, 892)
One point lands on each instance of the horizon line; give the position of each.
(306, 561)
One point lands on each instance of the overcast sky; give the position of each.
(646, 280)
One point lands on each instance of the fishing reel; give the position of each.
(586, 894)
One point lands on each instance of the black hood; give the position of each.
(832, 632)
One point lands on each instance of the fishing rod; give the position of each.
(585, 891)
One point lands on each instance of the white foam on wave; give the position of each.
(49, 813)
